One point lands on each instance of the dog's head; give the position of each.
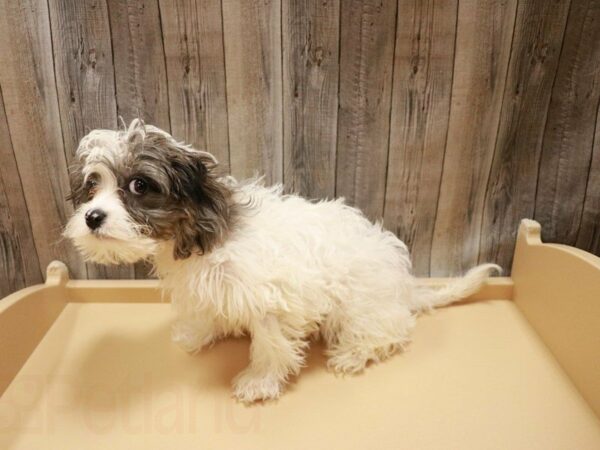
(138, 187)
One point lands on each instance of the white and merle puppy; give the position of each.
(242, 258)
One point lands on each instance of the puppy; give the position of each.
(242, 258)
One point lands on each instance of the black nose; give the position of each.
(94, 218)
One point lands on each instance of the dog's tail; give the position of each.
(426, 298)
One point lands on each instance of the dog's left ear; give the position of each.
(206, 202)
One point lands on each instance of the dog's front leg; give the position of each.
(273, 358)
(194, 333)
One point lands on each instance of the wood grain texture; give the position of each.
(588, 236)
(310, 42)
(423, 65)
(368, 30)
(193, 41)
(29, 91)
(452, 118)
(484, 34)
(252, 33)
(140, 69)
(139, 61)
(510, 194)
(85, 82)
(19, 264)
(569, 134)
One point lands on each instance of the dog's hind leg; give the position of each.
(274, 356)
(194, 333)
(363, 337)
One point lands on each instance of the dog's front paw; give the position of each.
(347, 363)
(249, 387)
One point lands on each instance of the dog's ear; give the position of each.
(205, 200)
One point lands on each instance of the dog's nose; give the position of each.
(94, 218)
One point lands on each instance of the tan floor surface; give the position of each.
(106, 376)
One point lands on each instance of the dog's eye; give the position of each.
(91, 186)
(138, 186)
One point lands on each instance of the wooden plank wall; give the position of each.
(449, 120)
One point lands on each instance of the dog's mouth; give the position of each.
(104, 237)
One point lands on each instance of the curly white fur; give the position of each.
(294, 269)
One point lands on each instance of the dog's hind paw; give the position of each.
(249, 387)
(189, 338)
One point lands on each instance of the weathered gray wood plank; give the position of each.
(29, 90)
(569, 134)
(310, 33)
(480, 116)
(368, 30)
(252, 34)
(85, 82)
(193, 41)
(140, 71)
(483, 41)
(423, 64)
(510, 194)
(139, 61)
(588, 236)
(19, 264)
